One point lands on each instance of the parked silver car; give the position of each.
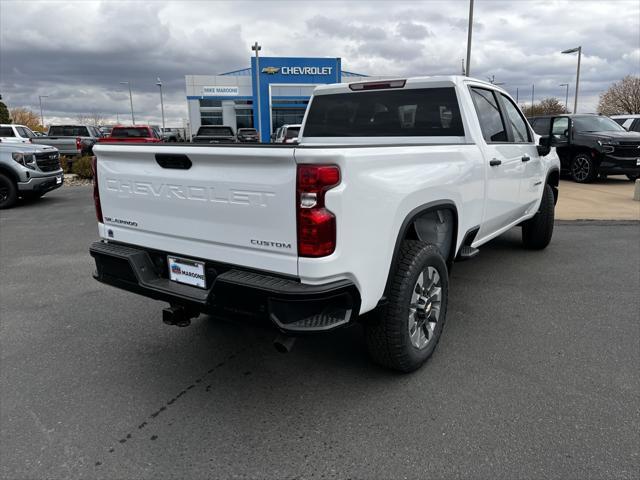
(27, 171)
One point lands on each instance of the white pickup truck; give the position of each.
(390, 183)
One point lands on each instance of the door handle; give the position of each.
(526, 158)
(495, 162)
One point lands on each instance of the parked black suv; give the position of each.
(591, 145)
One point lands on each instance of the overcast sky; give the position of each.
(77, 52)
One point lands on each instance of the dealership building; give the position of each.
(278, 90)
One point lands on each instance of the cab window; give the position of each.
(493, 129)
(517, 122)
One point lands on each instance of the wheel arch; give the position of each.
(553, 180)
(7, 172)
(420, 223)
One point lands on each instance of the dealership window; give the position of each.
(209, 103)
(286, 116)
(211, 118)
(243, 102)
(244, 117)
(275, 101)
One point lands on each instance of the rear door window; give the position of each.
(517, 122)
(489, 116)
(386, 113)
(25, 132)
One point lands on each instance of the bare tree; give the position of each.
(622, 97)
(96, 119)
(547, 106)
(26, 117)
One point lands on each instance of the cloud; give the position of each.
(78, 55)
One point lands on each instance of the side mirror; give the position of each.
(544, 146)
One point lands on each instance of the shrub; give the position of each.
(64, 163)
(82, 167)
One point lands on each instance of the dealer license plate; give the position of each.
(186, 271)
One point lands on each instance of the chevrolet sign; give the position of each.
(306, 70)
(298, 70)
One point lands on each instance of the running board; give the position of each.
(467, 253)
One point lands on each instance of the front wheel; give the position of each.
(404, 332)
(583, 168)
(633, 178)
(8, 192)
(538, 230)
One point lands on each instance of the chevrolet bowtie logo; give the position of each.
(270, 70)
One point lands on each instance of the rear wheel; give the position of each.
(583, 168)
(8, 192)
(404, 332)
(538, 230)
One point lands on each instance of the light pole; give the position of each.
(256, 48)
(566, 97)
(574, 50)
(133, 120)
(159, 83)
(469, 30)
(533, 91)
(40, 97)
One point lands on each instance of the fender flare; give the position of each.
(408, 223)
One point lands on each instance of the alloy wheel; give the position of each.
(424, 309)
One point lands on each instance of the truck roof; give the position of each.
(411, 82)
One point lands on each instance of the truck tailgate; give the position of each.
(65, 145)
(230, 204)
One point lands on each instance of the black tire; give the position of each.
(387, 330)
(538, 230)
(8, 192)
(583, 169)
(633, 178)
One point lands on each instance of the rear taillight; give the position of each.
(96, 192)
(316, 224)
(78, 143)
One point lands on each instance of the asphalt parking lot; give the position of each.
(536, 375)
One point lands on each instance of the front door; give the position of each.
(505, 167)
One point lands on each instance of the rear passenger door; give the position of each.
(532, 180)
(504, 163)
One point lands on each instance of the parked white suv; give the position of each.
(10, 133)
(391, 182)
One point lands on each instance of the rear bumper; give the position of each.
(293, 307)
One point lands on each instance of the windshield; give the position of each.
(68, 131)
(596, 124)
(130, 132)
(216, 131)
